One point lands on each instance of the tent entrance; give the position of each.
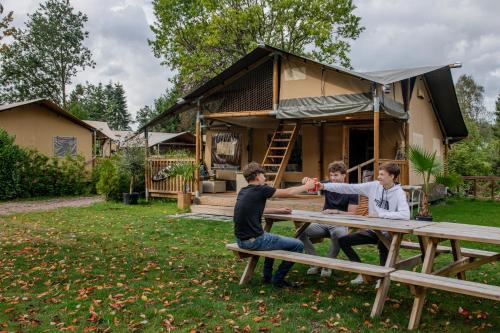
(360, 149)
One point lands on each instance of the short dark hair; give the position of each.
(252, 170)
(391, 169)
(337, 166)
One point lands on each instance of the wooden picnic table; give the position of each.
(396, 228)
(454, 232)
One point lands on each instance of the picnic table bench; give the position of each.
(438, 279)
(429, 235)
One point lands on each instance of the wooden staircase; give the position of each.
(279, 151)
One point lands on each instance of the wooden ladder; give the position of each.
(279, 151)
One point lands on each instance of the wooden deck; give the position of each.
(223, 203)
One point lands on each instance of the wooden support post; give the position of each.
(418, 303)
(493, 183)
(146, 169)
(445, 159)
(275, 82)
(378, 304)
(475, 188)
(376, 131)
(321, 151)
(199, 140)
(457, 255)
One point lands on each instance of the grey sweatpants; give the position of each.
(316, 230)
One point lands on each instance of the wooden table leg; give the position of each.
(252, 262)
(378, 304)
(457, 255)
(418, 303)
(422, 242)
(301, 229)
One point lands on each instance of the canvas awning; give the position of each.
(325, 106)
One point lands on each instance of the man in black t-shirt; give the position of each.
(248, 211)
(335, 203)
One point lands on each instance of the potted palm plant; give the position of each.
(132, 163)
(425, 164)
(187, 171)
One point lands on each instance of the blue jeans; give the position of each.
(269, 242)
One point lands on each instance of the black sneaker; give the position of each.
(284, 284)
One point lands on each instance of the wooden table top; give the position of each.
(447, 230)
(353, 221)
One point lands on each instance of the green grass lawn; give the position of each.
(113, 268)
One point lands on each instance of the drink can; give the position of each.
(316, 186)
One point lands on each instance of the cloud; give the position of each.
(118, 33)
(429, 32)
(398, 33)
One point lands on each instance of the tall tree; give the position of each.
(199, 38)
(470, 96)
(117, 115)
(6, 29)
(46, 55)
(89, 102)
(161, 104)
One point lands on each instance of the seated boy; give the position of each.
(248, 211)
(335, 203)
(386, 199)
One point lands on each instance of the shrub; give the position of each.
(11, 156)
(110, 180)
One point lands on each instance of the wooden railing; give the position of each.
(169, 186)
(492, 180)
(403, 166)
(359, 168)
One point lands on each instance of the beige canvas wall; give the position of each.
(424, 127)
(391, 136)
(299, 79)
(332, 148)
(36, 126)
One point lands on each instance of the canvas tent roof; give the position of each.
(155, 138)
(438, 78)
(51, 106)
(102, 127)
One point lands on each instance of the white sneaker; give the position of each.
(326, 273)
(313, 270)
(358, 280)
(377, 284)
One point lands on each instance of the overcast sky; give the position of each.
(398, 33)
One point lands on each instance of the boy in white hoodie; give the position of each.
(386, 199)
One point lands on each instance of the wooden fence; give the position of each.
(481, 186)
(170, 186)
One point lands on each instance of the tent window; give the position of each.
(64, 145)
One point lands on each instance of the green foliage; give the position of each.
(46, 55)
(186, 170)
(28, 173)
(10, 173)
(473, 155)
(108, 183)
(451, 180)
(5, 27)
(200, 38)
(425, 164)
(161, 104)
(132, 160)
(470, 97)
(102, 103)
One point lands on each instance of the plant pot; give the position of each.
(183, 200)
(130, 198)
(423, 218)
